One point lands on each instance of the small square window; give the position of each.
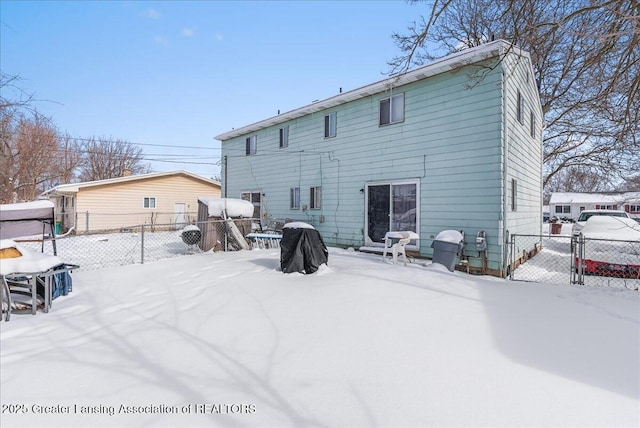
(294, 197)
(315, 198)
(251, 145)
(149, 202)
(284, 137)
(330, 125)
(392, 109)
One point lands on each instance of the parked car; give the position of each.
(611, 247)
(587, 214)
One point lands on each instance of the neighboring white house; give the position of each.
(155, 198)
(571, 204)
(455, 144)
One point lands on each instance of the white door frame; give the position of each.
(391, 183)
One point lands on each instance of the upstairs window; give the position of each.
(532, 125)
(330, 125)
(392, 109)
(520, 108)
(284, 137)
(252, 145)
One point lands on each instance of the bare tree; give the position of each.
(574, 179)
(631, 184)
(106, 158)
(8, 155)
(586, 57)
(29, 149)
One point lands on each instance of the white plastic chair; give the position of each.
(397, 248)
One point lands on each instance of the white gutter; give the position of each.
(448, 63)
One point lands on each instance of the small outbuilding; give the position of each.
(224, 223)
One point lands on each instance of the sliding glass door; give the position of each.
(391, 206)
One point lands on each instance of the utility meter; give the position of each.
(481, 241)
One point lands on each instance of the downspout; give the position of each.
(224, 165)
(505, 189)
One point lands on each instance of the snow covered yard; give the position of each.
(225, 339)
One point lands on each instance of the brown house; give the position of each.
(156, 198)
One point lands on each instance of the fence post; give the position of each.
(580, 263)
(510, 248)
(142, 245)
(86, 223)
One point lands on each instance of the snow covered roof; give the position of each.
(25, 218)
(234, 207)
(447, 63)
(593, 198)
(74, 187)
(298, 225)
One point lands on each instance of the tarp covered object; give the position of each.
(302, 249)
(25, 219)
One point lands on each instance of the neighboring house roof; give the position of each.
(448, 63)
(74, 187)
(593, 198)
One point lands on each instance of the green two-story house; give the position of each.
(455, 144)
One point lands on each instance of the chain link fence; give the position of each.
(95, 222)
(564, 259)
(145, 243)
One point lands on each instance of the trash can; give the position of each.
(446, 247)
(556, 228)
(58, 227)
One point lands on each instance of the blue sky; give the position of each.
(179, 73)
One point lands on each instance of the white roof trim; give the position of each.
(448, 63)
(74, 187)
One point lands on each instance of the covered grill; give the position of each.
(302, 248)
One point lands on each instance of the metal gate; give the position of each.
(564, 259)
